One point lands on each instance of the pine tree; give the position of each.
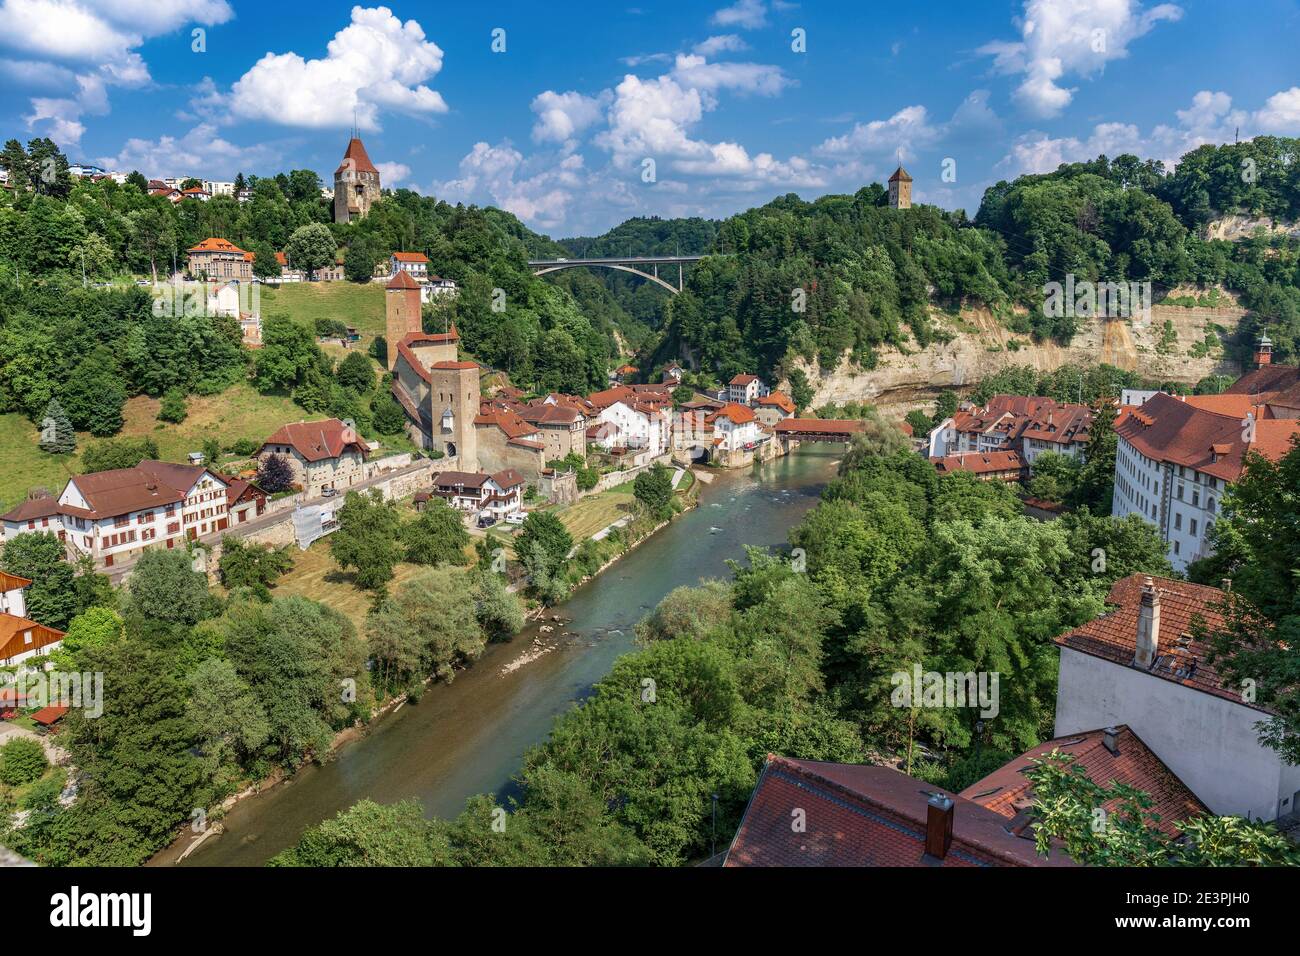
(57, 434)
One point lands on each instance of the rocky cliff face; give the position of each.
(982, 346)
(1237, 227)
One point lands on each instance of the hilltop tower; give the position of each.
(356, 184)
(900, 189)
(454, 401)
(401, 311)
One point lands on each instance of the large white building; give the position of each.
(112, 516)
(1175, 457)
(1142, 666)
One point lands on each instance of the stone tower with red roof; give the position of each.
(356, 184)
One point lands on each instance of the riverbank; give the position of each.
(470, 736)
(187, 841)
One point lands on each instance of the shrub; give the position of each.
(173, 408)
(21, 761)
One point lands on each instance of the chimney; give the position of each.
(1263, 352)
(1148, 629)
(1110, 740)
(938, 825)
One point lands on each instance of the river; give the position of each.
(470, 736)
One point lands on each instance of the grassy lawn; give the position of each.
(24, 466)
(361, 306)
(596, 512)
(316, 576)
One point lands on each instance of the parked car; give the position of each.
(486, 520)
(516, 517)
(328, 492)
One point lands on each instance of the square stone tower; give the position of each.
(401, 312)
(454, 400)
(900, 189)
(356, 184)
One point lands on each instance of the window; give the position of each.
(1193, 527)
(1178, 522)
(1176, 547)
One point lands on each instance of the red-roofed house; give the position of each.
(1108, 756)
(774, 407)
(220, 259)
(1028, 425)
(809, 813)
(322, 454)
(745, 389)
(414, 264)
(498, 495)
(506, 441)
(642, 426)
(112, 516)
(1140, 665)
(21, 639)
(987, 466)
(735, 432)
(1174, 459)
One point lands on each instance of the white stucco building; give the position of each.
(1175, 457)
(115, 515)
(1140, 665)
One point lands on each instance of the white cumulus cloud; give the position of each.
(561, 116)
(1060, 38)
(88, 46)
(377, 62)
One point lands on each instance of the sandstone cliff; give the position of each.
(981, 346)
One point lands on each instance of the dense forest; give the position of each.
(847, 273)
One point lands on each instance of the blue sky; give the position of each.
(560, 126)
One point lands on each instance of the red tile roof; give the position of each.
(864, 816)
(410, 257)
(402, 280)
(508, 478)
(900, 175)
(743, 379)
(510, 424)
(610, 396)
(826, 426)
(1008, 790)
(463, 479)
(356, 157)
(217, 245)
(42, 506)
(779, 400)
(979, 463)
(317, 441)
(1265, 381)
(47, 716)
(1179, 658)
(735, 413)
(1167, 429)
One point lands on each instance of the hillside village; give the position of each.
(423, 441)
